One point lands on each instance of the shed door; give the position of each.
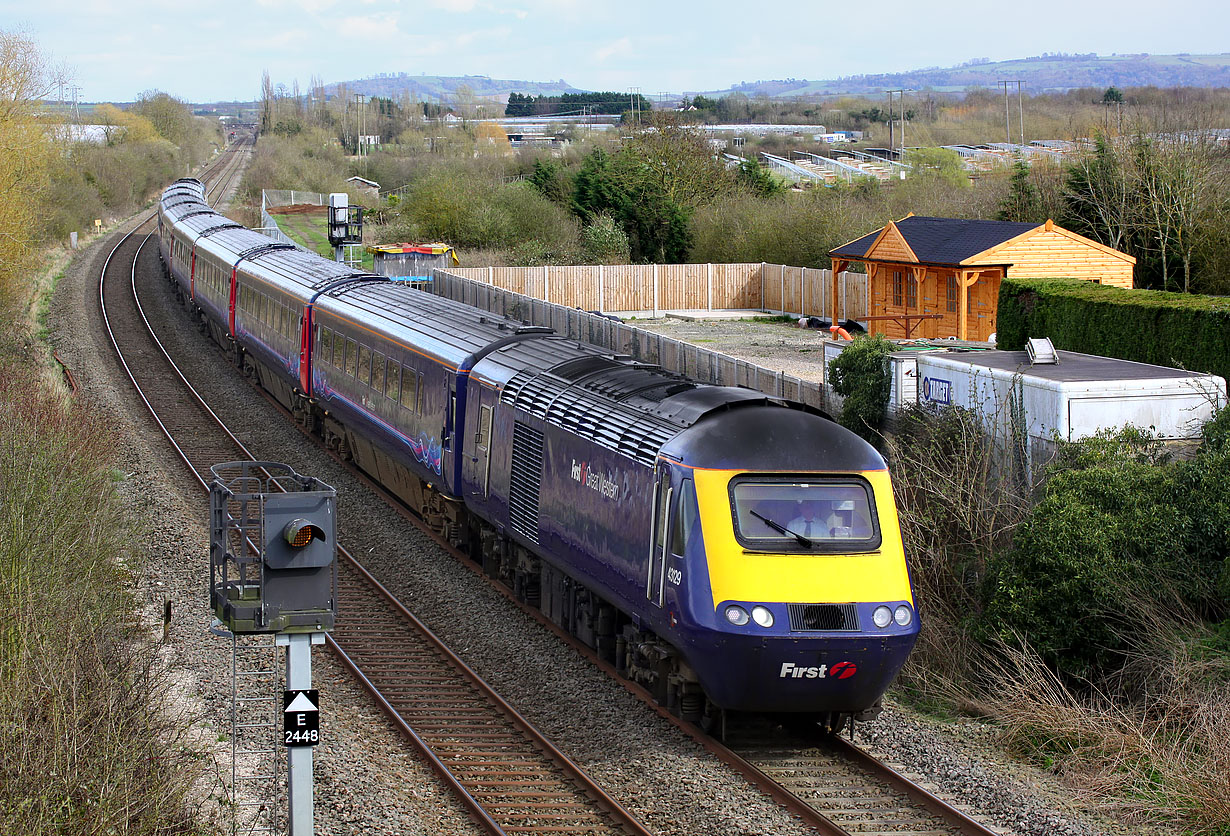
(658, 538)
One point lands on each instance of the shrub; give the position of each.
(1149, 326)
(860, 375)
(1122, 532)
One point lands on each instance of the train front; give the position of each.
(796, 597)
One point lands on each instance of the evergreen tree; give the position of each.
(1022, 202)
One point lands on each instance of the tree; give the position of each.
(24, 80)
(1113, 95)
(656, 226)
(757, 179)
(1098, 195)
(1022, 202)
(942, 164)
(678, 160)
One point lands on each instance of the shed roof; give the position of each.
(941, 240)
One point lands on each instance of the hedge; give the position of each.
(1181, 330)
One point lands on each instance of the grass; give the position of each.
(311, 230)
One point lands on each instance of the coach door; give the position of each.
(662, 496)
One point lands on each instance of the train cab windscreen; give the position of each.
(775, 515)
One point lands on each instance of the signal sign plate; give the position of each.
(301, 717)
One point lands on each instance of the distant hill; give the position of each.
(1042, 73)
(437, 87)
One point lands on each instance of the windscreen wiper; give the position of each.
(781, 529)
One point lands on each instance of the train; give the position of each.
(728, 550)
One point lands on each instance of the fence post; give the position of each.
(546, 283)
(601, 301)
(802, 291)
(781, 280)
(655, 292)
(762, 299)
(709, 286)
(490, 275)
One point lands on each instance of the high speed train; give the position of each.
(729, 550)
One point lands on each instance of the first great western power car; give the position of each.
(659, 520)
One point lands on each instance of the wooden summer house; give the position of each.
(939, 277)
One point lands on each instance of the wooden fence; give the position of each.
(653, 288)
(618, 337)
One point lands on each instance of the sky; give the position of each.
(216, 51)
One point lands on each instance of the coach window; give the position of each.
(365, 365)
(409, 390)
(339, 350)
(392, 385)
(685, 515)
(324, 352)
(378, 371)
(422, 395)
(352, 352)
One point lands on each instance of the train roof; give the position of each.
(454, 333)
(630, 407)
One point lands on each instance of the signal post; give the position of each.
(273, 569)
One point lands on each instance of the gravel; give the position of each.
(366, 779)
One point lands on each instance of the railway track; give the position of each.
(509, 776)
(499, 766)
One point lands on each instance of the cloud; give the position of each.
(621, 48)
(370, 27)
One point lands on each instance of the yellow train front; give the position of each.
(789, 589)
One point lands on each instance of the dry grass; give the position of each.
(88, 743)
(1150, 744)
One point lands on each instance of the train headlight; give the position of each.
(903, 616)
(762, 616)
(882, 616)
(736, 615)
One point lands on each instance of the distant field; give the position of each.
(311, 230)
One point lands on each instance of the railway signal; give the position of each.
(273, 569)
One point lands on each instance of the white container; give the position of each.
(1073, 399)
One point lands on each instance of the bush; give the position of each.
(1119, 535)
(88, 743)
(1149, 326)
(860, 375)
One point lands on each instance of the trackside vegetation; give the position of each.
(1088, 616)
(89, 742)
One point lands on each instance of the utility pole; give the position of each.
(890, 122)
(891, 145)
(634, 94)
(1020, 107)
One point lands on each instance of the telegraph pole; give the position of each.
(1020, 108)
(901, 152)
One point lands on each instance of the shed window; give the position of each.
(952, 294)
(911, 293)
(898, 295)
